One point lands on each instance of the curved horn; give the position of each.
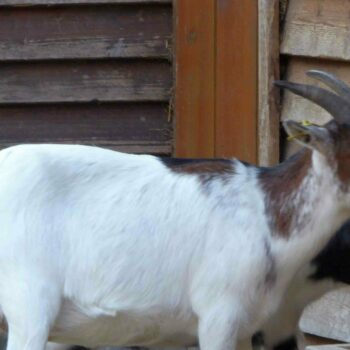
(332, 81)
(336, 105)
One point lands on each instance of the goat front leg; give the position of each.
(218, 328)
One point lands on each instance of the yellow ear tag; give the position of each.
(306, 123)
(303, 123)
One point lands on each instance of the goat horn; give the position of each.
(331, 81)
(336, 105)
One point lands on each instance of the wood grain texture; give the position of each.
(269, 113)
(137, 128)
(317, 28)
(85, 32)
(330, 345)
(81, 2)
(195, 78)
(312, 342)
(236, 79)
(44, 82)
(329, 317)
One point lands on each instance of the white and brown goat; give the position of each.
(103, 248)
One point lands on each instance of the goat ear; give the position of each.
(311, 136)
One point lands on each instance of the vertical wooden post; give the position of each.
(268, 134)
(195, 79)
(216, 78)
(236, 79)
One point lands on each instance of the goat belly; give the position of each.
(124, 329)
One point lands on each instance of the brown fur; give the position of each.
(342, 155)
(3, 326)
(279, 184)
(343, 161)
(206, 169)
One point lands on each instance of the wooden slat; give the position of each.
(195, 78)
(43, 82)
(329, 317)
(140, 128)
(269, 115)
(317, 29)
(331, 345)
(85, 32)
(236, 79)
(313, 342)
(72, 2)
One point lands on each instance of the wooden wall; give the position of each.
(92, 72)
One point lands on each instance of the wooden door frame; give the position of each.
(222, 59)
(269, 70)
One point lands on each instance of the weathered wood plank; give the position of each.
(195, 78)
(317, 29)
(85, 32)
(329, 317)
(312, 341)
(329, 346)
(298, 108)
(42, 82)
(81, 2)
(269, 114)
(236, 79)
(133, 127)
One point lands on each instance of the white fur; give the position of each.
(103, 248)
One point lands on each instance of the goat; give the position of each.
(328, 271)
(103, 248)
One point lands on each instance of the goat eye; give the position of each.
(307, 138)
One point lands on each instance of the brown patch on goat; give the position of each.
(3, 325)
(206, 169)
(280, 183)
(343, 161)
(342, 154)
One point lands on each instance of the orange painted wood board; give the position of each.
(195, 78)
(236, 79)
